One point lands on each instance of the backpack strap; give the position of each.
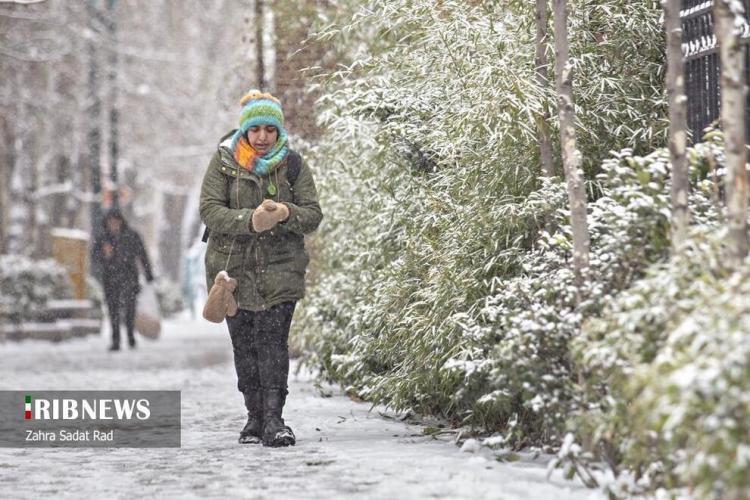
(293, 168)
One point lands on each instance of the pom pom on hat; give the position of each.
(257, 94)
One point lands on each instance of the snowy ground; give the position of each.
(343, 449)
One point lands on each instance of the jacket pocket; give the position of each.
(286, 249)
(220, 243)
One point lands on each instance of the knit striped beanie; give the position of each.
(259, 108)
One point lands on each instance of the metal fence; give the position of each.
(702, 65)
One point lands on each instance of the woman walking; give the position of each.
(116, 252)
(258, 200)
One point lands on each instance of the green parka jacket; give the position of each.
(269, 266)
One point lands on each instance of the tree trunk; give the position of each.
(677, 122)
(7, 160)
(170, 246)
(33, 152)
(542, 78)
(259, 20)
(113, 113)
(571, 155)
(733, 92)
(94, 137)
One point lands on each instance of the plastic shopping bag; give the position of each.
(147, 316)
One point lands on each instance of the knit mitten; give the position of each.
(220, 302)
(268, 214)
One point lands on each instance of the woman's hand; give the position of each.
(268, 214)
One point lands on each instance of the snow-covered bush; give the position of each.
(693, 401)
(665, 398)
(503, 360)
(27, 284)
(519, 357)
(444, 279)
(668, 372)
(445, 282)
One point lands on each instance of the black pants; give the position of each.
(260, 344)
(121, 299)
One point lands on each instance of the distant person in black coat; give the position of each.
(116, 251)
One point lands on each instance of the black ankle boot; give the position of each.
(275, 433)
(251, 433)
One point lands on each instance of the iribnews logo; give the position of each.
(81, 409)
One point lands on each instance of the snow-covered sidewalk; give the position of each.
(343, 449)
